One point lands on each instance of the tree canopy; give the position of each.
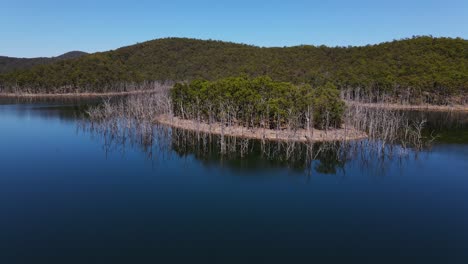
(418, 65)
(8, 64)
(258, 102)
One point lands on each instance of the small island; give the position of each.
(259, 108)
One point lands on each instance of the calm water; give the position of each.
(67, 198)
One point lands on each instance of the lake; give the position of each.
(67, 196)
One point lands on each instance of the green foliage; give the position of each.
(328, 107)
(8, 64)
(427, 67)
(258, 102)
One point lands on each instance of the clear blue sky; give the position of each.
(50, 27)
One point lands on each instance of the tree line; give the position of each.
(418, 68)
(8, 64)
(258, 102)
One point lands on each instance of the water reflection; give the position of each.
(240, 154)
(448, 127)
(156, 141)
(268, 201)
(47, 109)
(248, 155)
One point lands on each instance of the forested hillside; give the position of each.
(418, 67)
(10, 64)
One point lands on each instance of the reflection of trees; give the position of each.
(442, 120)
(66, 110)
(256, 154)
(329, 161)
(447, 127)
(212, 150)
(159, 142)
(129, 122)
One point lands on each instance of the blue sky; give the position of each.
(50, 27)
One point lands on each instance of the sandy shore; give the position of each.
(301, 135)
(424, 107)
(72, 95)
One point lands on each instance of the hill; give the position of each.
(11, 64)
(418, 67)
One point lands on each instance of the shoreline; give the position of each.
(390, 106)
(300, 135)
(423, 107)
(73, 95)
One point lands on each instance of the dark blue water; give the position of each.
(66, 198)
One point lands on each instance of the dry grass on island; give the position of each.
(73, 95)
(115, 90)
(411, 107)
(299, 135)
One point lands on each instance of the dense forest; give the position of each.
(259, 102)
(8, 64)
(420, 68)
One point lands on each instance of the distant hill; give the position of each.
(71, 55)
(420, 65)
(10, 64)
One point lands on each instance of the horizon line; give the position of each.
(246, 44)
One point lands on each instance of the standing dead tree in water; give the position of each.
(140, 108)
(81, 89)
(384, 126)
(131, 117)
(274, 108)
